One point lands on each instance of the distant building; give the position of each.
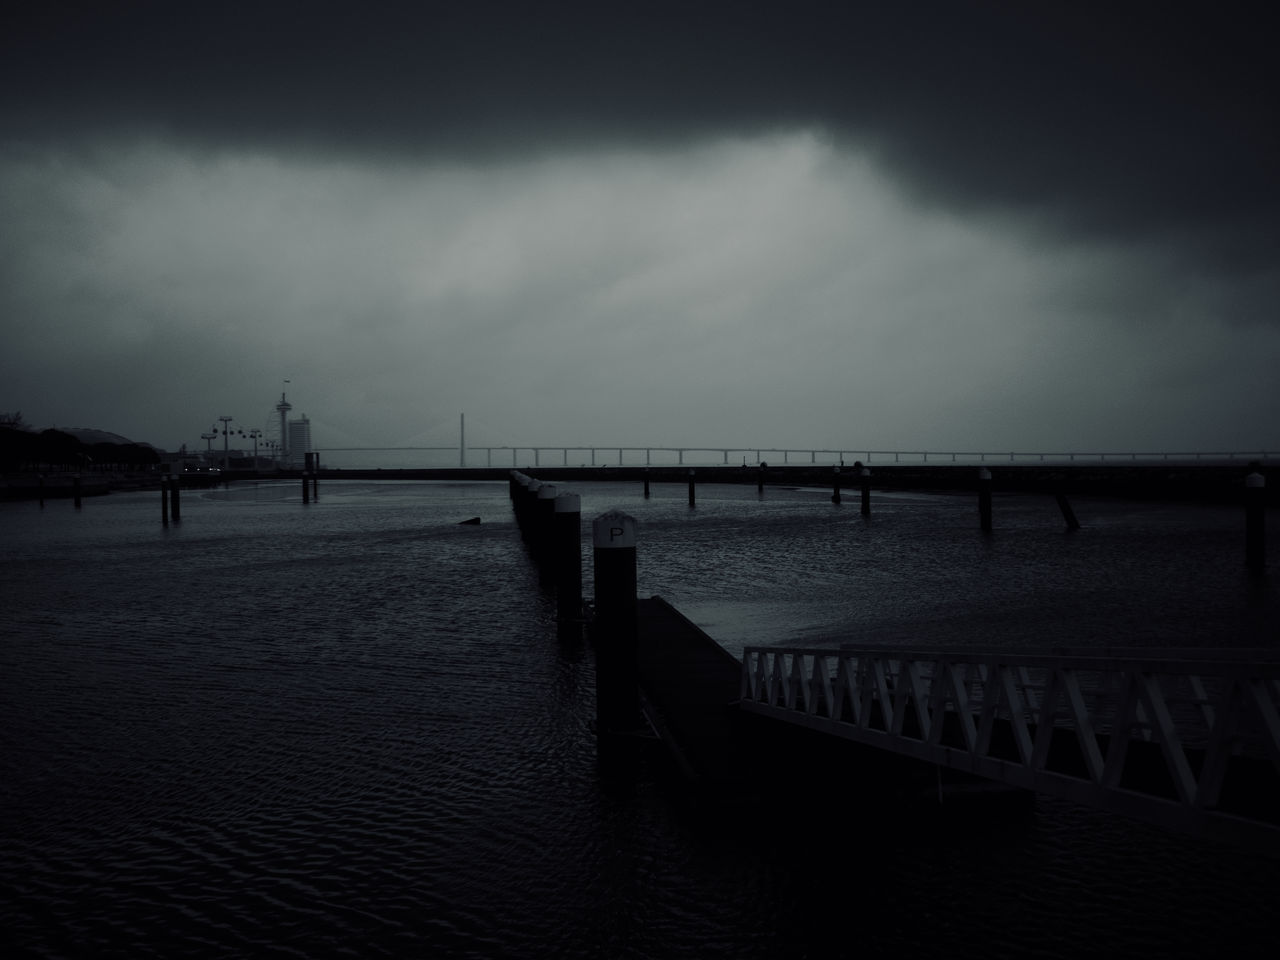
(299, 441)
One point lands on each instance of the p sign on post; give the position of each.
(613, 537)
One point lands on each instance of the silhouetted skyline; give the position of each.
(934, 226)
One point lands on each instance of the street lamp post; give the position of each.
(255, 433)
(226, 441)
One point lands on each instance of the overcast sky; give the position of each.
(889, 226)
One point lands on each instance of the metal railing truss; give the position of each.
(1191, 743)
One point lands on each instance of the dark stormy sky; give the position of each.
(901, 225)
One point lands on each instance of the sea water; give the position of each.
(348, 727)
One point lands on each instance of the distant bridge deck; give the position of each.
(1221, 482)
(553, 455)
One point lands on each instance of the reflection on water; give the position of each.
(349, 727)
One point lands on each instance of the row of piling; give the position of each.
(862, 473)
(1255, 504)
(550, 524)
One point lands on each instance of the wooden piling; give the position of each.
(41, 485)
(567, 532)
(835, 493)
(76, 490)
(984, 498)
(175, 500)
(760, 477)
(1068, 514)
(691, 497)
(164, 500)
(306, 488)
(646, 483)
(527, 513)
(543, 521)
(613, 630)
(1255, 521)
(864, 483)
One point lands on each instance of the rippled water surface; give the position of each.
(349, 727)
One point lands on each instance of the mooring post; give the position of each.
(835, 493)
(76, 490)
(691, 488)
(984, 498)
(568, 557)
(175, 501)
(760, 477)
(528, 511)
(1255, 521)
(614, 631)
(1068, 514)
(864, 482)
(543, 521)
(646, 483)
(164, 500)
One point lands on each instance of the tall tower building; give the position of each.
(283, 408)
(299, 441)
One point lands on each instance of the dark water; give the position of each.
(349, 728)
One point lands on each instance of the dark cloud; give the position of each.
(1133, 120)
(1009, 224)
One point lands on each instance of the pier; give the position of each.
(1186, 739)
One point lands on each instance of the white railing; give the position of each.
(1151, 734)
(598, 456)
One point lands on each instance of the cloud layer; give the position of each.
(936, 227)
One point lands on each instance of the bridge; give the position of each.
(598, 456)
(1187, 739)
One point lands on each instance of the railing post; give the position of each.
(613, 631)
